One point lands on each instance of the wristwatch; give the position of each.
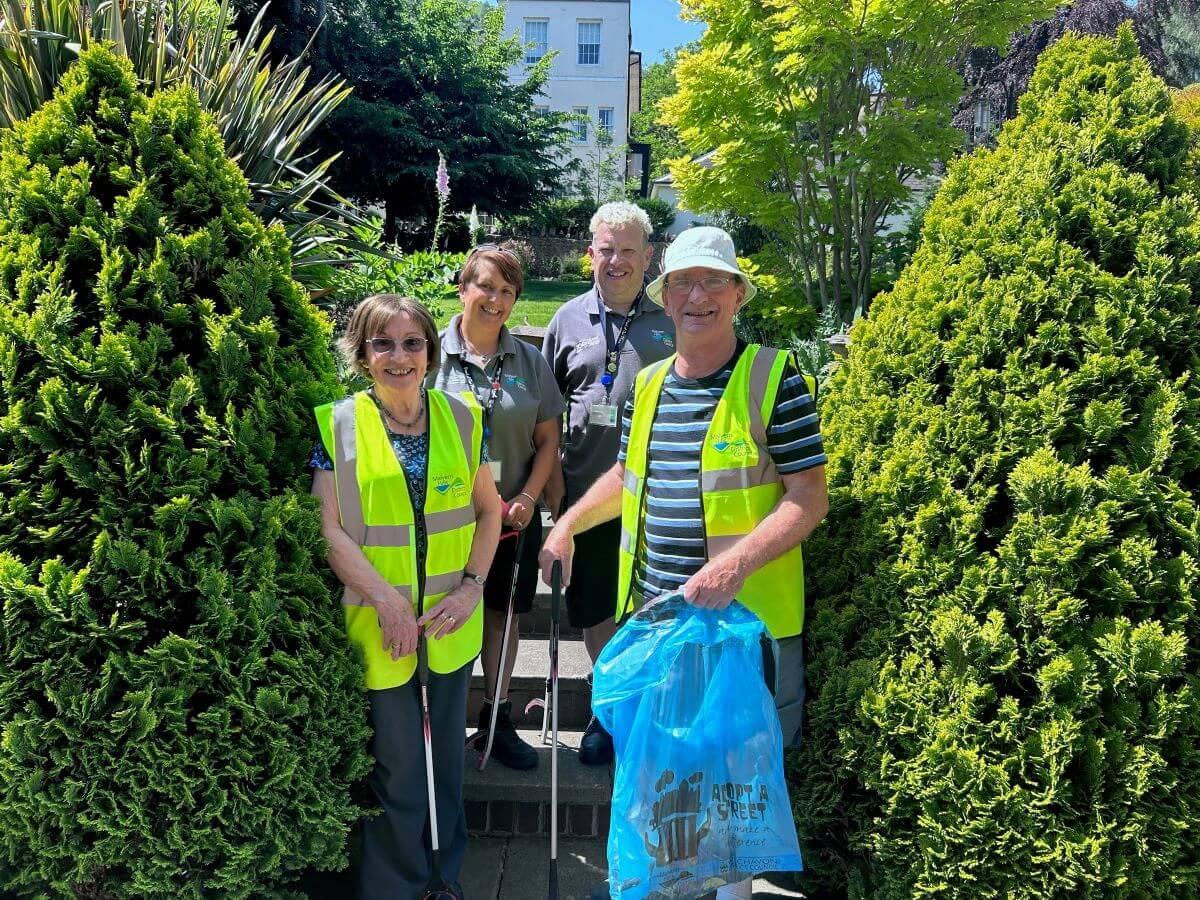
(480, 580)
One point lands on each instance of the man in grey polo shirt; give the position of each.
(595, 345)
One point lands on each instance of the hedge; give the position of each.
(1003, 627)
(180, 713)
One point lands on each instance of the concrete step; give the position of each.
(518, 868)
(529, 681)
(501, 801)
(536, 622)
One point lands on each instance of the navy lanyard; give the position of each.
(612, 360)
(493, 396)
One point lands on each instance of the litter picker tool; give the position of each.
(437, 888)
(489, 736)
(555, 606)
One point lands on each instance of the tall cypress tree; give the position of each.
(1004, 632)
(180, 714)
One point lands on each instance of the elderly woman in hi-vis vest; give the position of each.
(412, 519)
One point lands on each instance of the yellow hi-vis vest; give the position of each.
(739, 485)
(376, 512)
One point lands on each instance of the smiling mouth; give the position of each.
(700, 315)
(400, 373)
(609, 273)
(492, 311)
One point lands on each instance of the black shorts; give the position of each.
(592, 593)
(499, 579)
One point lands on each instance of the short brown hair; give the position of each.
(506, 261)
(372, 316)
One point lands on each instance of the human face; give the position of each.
(619, 260)
(488, 298)
(398, 370)
(702, 315)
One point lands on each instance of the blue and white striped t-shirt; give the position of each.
(673, 539)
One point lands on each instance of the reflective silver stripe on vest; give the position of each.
(632, 481)
(627, 542)
(442, 584)
(388, 536)
(466, 426)
(760, 376)
(742, 478)
(353, 598)
(345, 448)
(449, 519)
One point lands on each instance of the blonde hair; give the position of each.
(371, 317)
(620, 213)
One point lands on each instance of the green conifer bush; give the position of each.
(1003, 640)
(179, 713)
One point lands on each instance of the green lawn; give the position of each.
(538, 302)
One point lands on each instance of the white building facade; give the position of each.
(590, 74)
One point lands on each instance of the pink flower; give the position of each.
(443, 178)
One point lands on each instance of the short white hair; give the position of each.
(620, 213)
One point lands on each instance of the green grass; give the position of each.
(539, 301)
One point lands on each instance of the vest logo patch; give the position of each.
(449, 484)
(731, 445)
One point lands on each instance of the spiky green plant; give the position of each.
(265, 111)
(180, 713)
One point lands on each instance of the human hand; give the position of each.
(519, 511)
(559, 546)
(715, 586)
(452, 611)
(398, 623)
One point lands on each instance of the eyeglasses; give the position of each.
(488, 248)
(681, 288)
(383, 346)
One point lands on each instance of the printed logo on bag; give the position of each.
(449, 484)
(675, 819)
(731, 444)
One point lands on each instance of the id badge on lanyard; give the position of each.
(606, 414)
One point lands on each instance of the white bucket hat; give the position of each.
(704, 246)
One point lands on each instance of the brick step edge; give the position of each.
(517, 817)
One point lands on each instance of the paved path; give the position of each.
(518, 868)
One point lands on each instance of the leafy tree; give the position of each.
(266, 109)
(600, 174)
(658, 83)
(1181, 44)
(433, 75)
(660, 212)
(181, 713)
(1006, 594)
(818, 112)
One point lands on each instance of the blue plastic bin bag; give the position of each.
(699, 798)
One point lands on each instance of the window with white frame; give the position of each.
(537, 39)
(541, 110)
(580, 124)
(604, 121)
(589, 43)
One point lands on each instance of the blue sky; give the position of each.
(657, 27)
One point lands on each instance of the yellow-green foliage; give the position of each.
(1004, 628)
(180, 713)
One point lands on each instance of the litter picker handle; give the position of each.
(422, 661)
(555, 590)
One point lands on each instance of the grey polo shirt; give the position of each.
(576, 350)
(528, 395)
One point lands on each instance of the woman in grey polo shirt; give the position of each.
(521, 404)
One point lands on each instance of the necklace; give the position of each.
(420, 411)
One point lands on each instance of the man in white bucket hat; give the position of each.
(721, 473)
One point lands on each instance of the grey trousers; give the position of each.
(787, 686)
(396, 848)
